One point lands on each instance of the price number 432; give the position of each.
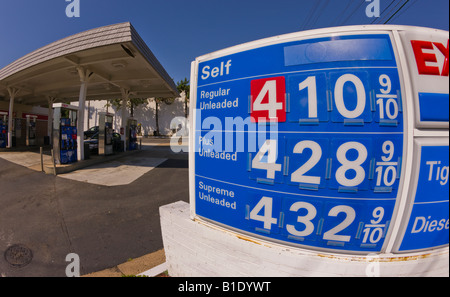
(304, 225)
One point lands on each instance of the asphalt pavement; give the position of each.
(109, 222)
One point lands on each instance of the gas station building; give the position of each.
(100, 64)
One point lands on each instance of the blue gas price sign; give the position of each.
(301, 142)
(428, 224)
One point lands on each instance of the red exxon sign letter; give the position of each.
(422, 58)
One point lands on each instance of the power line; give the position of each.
(353, 12)
(318, 14)
(386, 17)
(382, 13)
(396, 12)
(308, 18)
(394, 9)
(340, 15)
(391, 11)
(403, 11)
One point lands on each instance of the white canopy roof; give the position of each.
(116, 56)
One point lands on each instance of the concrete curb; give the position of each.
(148, 265)
(60, 169)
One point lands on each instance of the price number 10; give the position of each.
(386, 101)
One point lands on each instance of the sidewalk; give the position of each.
(32, 160)
(30, 156)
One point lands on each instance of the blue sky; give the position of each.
(177, 31)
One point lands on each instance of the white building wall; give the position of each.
(20, 108)
(144, 114)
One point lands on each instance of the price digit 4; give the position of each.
(268, 99)
(268, 149)
(266, 218)
(270, 89)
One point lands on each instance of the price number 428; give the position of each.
(386, 171)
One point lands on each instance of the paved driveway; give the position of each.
(105, 224)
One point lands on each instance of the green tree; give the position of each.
(158, 102)
(134, 102)
(131, 104)
(184, 86)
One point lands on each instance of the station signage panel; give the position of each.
(428, 224)
(427, 56)
(301, 142)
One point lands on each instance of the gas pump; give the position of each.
(105, 133)
(131, 134)
(31, 130)
(65, 133)
(3, 129)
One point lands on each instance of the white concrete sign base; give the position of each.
(200, 249)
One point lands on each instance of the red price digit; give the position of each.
(268, 99)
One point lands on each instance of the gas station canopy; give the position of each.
(115, 59)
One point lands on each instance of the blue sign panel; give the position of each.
(302, 142)
(429, 220)
(434, 107)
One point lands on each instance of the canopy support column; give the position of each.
(125, 98)
(84, 74)
(12, 95)
(50, 101)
